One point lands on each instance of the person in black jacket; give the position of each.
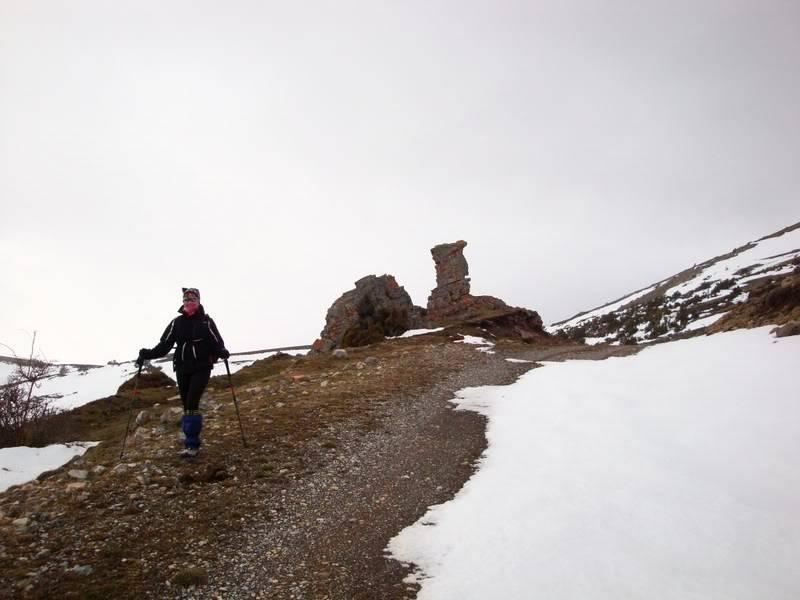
(199, 345)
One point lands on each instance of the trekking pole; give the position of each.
(130, 409)
(233, 393)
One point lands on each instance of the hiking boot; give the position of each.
(188, 452)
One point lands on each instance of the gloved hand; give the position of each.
(140, 361)
(224, 354)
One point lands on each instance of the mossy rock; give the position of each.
(154, 378)
(191, 576)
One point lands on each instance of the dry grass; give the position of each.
(292, 409)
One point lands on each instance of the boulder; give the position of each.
(143, 416)
(171, 415)
(791, 328)
(376, 308)
(154, 378)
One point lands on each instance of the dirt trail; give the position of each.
(342, 454)
(575, 352)
(327, 538)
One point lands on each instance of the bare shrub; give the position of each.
(24, 416)
(782, 297)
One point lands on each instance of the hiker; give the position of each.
(199, 345)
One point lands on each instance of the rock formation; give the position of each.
(376, 308)
(451, 294)
(450, 300)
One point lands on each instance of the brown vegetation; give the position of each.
(24, 416)
(774, 300)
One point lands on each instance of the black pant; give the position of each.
(191, 386)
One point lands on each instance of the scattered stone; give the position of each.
(371, 360)
(82, 570)
(142, 417)
(21, 523)
(78, 474)
(140, 435)
(340, 353)
(172, 414)
(791, 328)
(74, 487)
(99, 469)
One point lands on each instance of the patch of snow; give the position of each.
(609, 479)
(80, 387)
(471, 339)
(518, 360)
(594, 341)
(741, 298)
(703, 322)
(6, 369)
(414, 332)
(782, 271)
(21, 464)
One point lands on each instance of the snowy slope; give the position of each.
(22, 464)
(693, 299)
(73, 386)
(668, 474)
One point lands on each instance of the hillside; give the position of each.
(715, 295)
(138, 527)
(345, 451)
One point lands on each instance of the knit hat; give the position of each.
(191, 292)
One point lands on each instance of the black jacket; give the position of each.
(199, 343)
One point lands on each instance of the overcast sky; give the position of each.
(272, 153)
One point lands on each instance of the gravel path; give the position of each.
(327, 537)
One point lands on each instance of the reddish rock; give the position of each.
(377, 307)
(450, 299)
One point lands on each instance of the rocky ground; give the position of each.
(342, 453)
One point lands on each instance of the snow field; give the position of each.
(667, 474)
(765, 254)
(22, 464)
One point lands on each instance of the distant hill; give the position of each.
(755, 284)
